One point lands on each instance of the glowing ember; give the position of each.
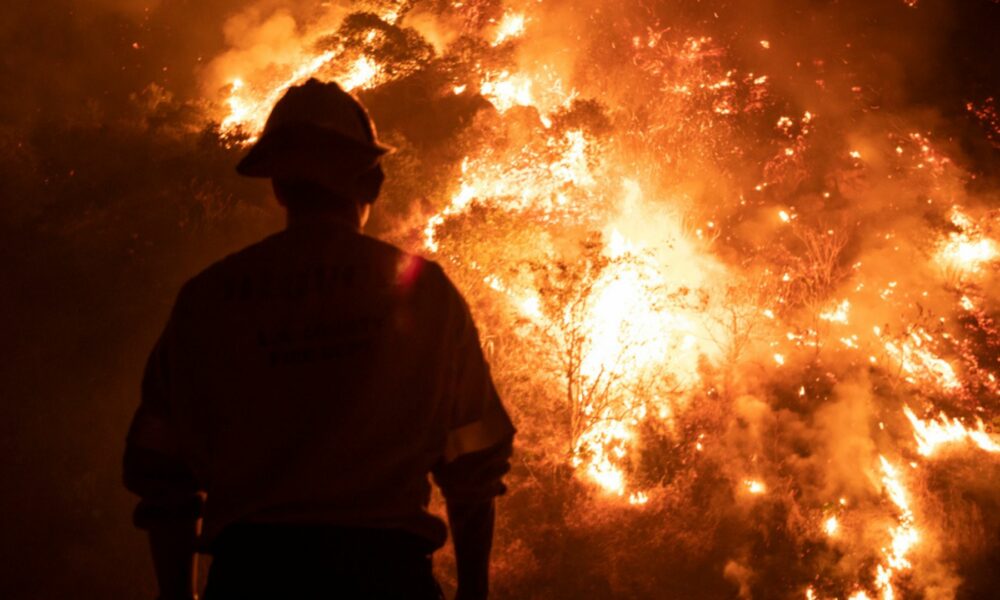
(831, 525)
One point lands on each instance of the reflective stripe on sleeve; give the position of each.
(479, 435)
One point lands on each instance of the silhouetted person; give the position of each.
(306, 386)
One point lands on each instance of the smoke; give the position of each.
(262, 37)
(439, 30)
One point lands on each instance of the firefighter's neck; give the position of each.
(340, 214)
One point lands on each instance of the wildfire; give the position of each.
(932, 434)
(838, 313)
(542, 90)
(511, 26)
(638, 271)
(506, 91)
(525, 181)
(904, 536)
(967, 250)
(628, 331)
(919, 363)
(361, 74)
(249, 108)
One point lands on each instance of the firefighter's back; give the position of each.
(315, 390)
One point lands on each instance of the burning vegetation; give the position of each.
(737, 337)
(739, 295)
(747, 329)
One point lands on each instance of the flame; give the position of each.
(511, 26)
(628, 332)
(248, 110)
(362, 74)
(920, 363)
(968, 250)
(904, 536)
(526, 181)
(932, 434)
(838, 313)
(831, 525)
(505, 91)
(638, 498)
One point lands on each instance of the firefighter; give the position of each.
(305, 387)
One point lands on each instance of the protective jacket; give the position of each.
(316, 377)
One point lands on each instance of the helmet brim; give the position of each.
(303, 151)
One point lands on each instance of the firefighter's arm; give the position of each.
(472, 535)
(174, 560)
(469, 484)
(169, 496)
(168, 509)
(476, 456)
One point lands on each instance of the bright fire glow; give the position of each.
(510, 26)
(932, 434)
(920, 363)
(838, 313)
(904, 536)
(968, 250)
(249, 108)
(830, 526)
(362, 73)
(506, 91)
